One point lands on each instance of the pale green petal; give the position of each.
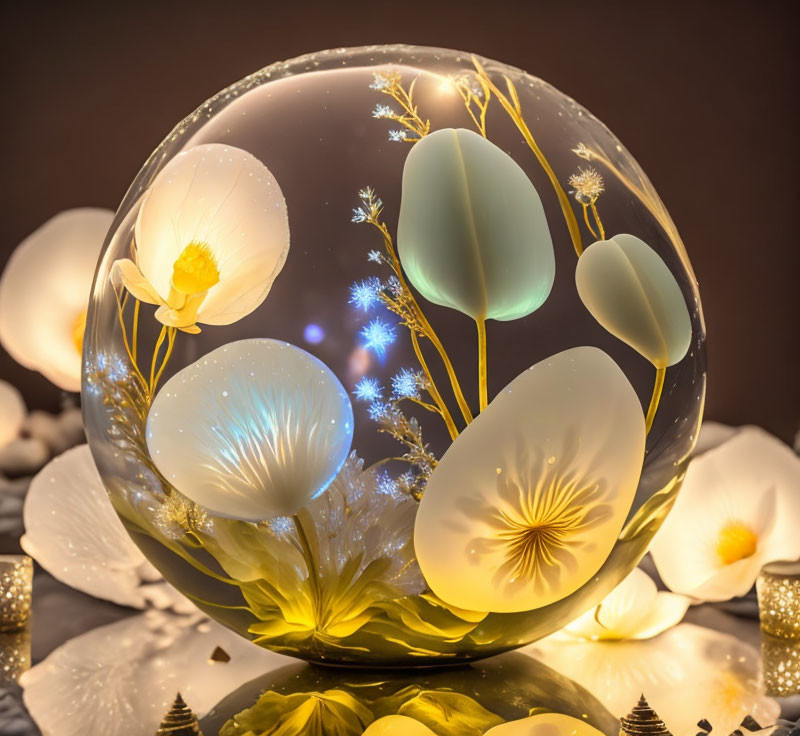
(631, 292)
(472, 233)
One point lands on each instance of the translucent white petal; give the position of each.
(629, 290)
(12, 412)
(397, 726)
(712, 434)
(752, 479)
(120, 679)
(668, 610)
(254, 429)
(227, 199)
(44, 290)
(527, 503)
(72, 530)
(545, 724)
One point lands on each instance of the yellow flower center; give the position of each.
(196, 270)
(78, 328)
(736, 542)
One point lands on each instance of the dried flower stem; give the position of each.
(425, 328)
(470, 98)
(586, 220)
(513, 108)
(482, 383)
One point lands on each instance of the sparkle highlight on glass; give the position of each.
(16, 583)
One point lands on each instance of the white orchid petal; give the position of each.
(72, 530)
(12, 412)
(668, 610)
(629, 290)
(752, 480)
(253, 429)
(712, 434)
(561, 446)
(44, 290)
(133, 280)
(226, 199)
(545, 724)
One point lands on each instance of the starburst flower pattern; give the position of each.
(366, 294)
(378, 335)
(382, 111)
(587, 185)
(397, 136)
(582, 151)
(406, 384)
(368, 388)
(374, 256)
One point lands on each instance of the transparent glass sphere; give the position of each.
(302, 339)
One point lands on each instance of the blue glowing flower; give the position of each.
(405, 384)
(397, 135)
(377, 410)
(368, 389)
(374, 256)
(365, 294)
(359, 215)
(378, 335)
(280, 525)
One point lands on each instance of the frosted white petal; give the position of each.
(712, 434)
(227, 199)
(545, 724)
(254, 429)
(45, 288)
(629, 290)
(73, 532)
(120, 679)
(12, 412)
(527, 503)
(633, 610)
(753, 479)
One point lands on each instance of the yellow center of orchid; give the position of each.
(195, 270)
(736, 542)
(78, 328)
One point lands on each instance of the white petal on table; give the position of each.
(73, 532)
(121, 679)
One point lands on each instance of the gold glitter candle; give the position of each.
(15, 655)
(16, 582)
(778, 588)
(780, 660)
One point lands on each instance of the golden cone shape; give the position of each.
(180, 721)
(642, 721)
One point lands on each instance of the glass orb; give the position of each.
(302, 339)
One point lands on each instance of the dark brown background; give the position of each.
(705, 95)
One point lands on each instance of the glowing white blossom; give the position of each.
(12, 412)
(212, 235)
(635, 609)
(738, 509)
(254, 429)
(525, 506)
(44, 292)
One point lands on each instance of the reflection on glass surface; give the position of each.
(686, 674)
(451, 701)
(120, 679)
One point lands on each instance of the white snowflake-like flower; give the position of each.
(397, 136)
(383, 111)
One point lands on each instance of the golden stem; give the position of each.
(586, 220)
(482, 387)
(171, 333)
(425, 405)
(427, 328)
(432, 390)
(515, 113)
(161, 336)
(658, 387)
(597, 220)
(311, 563)
(135, 330)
